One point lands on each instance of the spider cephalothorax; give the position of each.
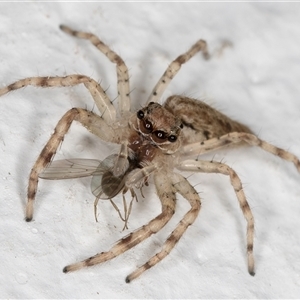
(160, 127)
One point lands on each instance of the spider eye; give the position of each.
(181, 125)
(172, 138)
(140, 114)
(148, 126)
(160, 134)
(145, 126)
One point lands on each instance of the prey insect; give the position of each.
(156, 141)
(104, 184)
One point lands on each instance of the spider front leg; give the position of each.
(91, 121)
(216, 167)
(101, 100)
(121, 163)
(122, 70)
(174, 67)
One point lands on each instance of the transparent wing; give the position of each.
(104, 184)
(70, 168)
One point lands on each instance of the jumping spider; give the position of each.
(153, 142)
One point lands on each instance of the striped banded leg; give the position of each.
(174, 67)
(238, 137)
(101, 100)
(91, 121)
(216, 167)
(166, 195)
(122, 70)
(188, 192)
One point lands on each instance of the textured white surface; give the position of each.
(256, 82)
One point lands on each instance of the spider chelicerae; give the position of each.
(154, 141)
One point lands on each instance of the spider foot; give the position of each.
(137, 272)
(251, 267)
(74, 267)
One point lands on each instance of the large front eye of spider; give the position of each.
(159, 136)
(146, 126)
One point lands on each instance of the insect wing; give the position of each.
(104, 184)
(70, 168)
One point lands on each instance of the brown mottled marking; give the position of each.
(205, 122)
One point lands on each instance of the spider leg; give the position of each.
(121, 163)
(136, 177)
(91, 121)
(166, 193)
(216, 167)
(187, 191)
(174, 67)
(238, 137)
(122, 70)
(101, 100)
